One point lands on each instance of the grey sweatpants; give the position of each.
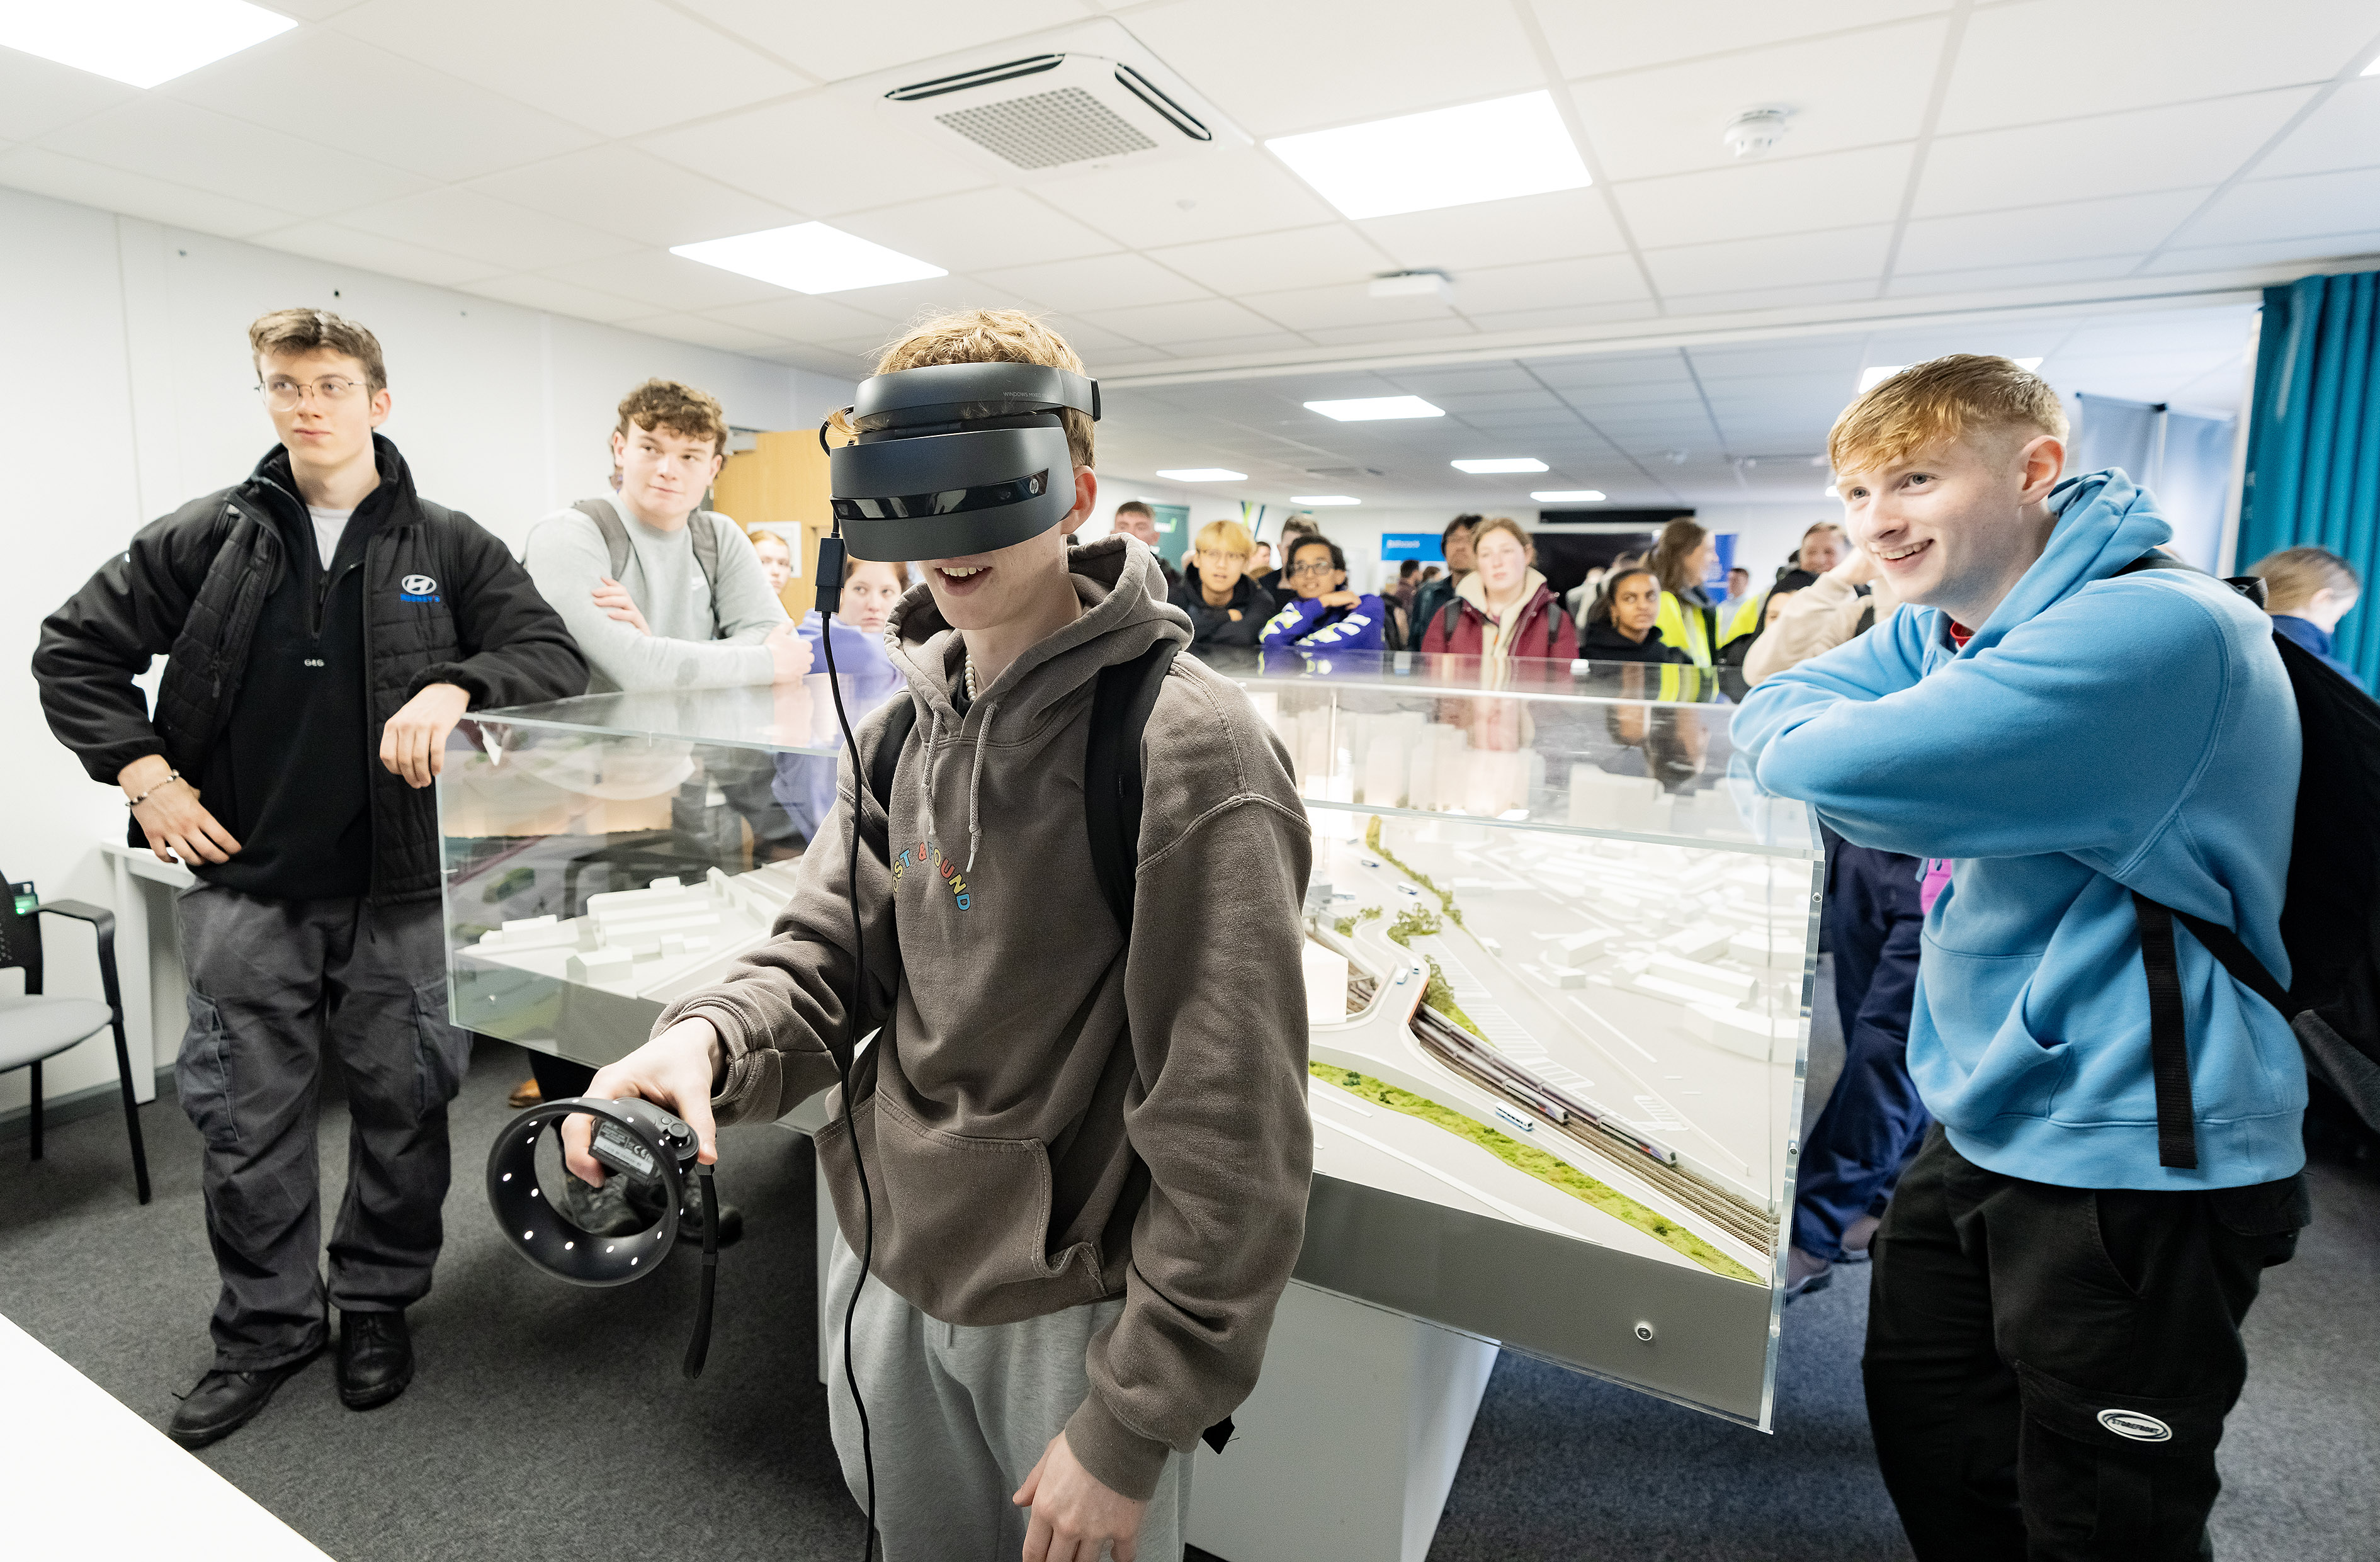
(272, 984)
(957, 1418)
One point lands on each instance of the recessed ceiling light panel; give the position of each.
(1321, 498)
(1568, 495)
(809, 258)
(1447, 157)
(1202, 475)
(1499, 463)
(1368, 410)
(140, 42)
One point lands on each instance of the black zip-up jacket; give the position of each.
(1599, 641)
(1210, 628)
(441, 602)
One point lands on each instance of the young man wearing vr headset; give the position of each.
(1088, 1171)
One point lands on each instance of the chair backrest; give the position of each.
(20, 933)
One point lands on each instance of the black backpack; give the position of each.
(2330, 920)
(1121, 703)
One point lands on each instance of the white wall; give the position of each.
(127, 390)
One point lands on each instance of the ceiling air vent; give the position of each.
(1086, 97)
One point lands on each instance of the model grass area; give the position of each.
(1445, 896)
(1435, 992)
(1552, 1171)
(1346, 926)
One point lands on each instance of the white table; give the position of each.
(134, 869)
(110, 1485)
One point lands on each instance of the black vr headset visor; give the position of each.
(956, 458)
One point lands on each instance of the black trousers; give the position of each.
(2049, 1368)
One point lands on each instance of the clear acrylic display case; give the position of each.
(1558, 966)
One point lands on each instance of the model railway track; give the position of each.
(1647, 1160)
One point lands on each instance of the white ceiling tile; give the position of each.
(2343, 133)
(376, 253)
(556, 297)
(816, 361)
(1097, 282)
(1849, 92)
(704, 331)
(1366, 335)
(1217, 194)
(1772, 196)
(2037, 273)
(1259, 59)
(44, 172)
(666, 281)
(324, 86)
(1094, 342)
(2304, 205)
(39, 95)
(2321, 252)
(1332, 255)
(816, 157)
(185, 144)
(619, 68)
(795, 317)
(2177, 147)
(1195, 320)
(1466, 379)
(831, 42)
(2018, 62)
(1225, 346)
(1550, 284)
(1345, 304)
(622, 190)
(904, 302)
(1797, 295)
(463, 222)
(1559, 225)
(976, 230)
(1845, 254)
(1595, 37)
(1565, 317)
(1770, 360)
(1615, 372)
(2067, 230)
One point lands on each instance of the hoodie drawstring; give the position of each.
(974, 782)
(926, 770)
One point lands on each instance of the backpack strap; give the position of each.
(2249, 586)
(704, 524)
(1448, 617)
(1120, 704)
(616, 536)
(2169, 1038)
(703, 532)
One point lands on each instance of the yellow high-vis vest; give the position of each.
(1743, 619)
(1686, 628)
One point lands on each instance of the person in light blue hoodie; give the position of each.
(2052, 1337)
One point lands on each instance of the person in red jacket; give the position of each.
(1503, 608)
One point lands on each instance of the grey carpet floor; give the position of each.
(550, 1423)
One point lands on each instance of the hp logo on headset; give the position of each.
(418, 588)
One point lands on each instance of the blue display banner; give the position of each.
(1421, 545)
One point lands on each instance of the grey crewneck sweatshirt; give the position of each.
(566, 558)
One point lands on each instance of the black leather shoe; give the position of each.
(375, 1358)
(224, 1401)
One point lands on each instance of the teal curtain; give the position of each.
(2313, 440)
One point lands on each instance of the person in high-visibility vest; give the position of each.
(1682, 559)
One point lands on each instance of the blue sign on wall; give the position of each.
(1421, 545)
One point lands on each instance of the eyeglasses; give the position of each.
(288, 396)
(1210, 556)
(1309, 570)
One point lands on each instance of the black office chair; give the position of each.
(37, 1025)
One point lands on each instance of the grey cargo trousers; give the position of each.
(270, 983)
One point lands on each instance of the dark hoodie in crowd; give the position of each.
(1602, 642)
(1237, 622)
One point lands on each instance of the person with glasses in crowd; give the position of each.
(1324, 615)
(316, 618)
(1226, 608)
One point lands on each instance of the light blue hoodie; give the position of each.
(2094, 735)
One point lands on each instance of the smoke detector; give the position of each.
(1413, 284)
(1068, 101)
(1755, 130)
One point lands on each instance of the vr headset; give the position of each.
(956, 458)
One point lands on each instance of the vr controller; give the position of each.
(633, 1139)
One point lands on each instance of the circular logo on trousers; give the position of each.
(418, 584)
(2138, 1427)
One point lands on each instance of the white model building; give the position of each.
(668, 937)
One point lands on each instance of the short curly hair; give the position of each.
(1942, 399)
(677, 407)
(990, 336)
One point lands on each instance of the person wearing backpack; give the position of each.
(1084, 1119)
(325, 627)
(1503, 608)
(2104, 750)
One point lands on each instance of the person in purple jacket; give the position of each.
(805, 782)
(1324, 615)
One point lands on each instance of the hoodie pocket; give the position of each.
(961, 1221)
(1978, 1004)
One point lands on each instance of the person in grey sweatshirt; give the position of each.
(662, 623)
(1088, 1159)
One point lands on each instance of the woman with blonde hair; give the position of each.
(1225, 604)
(1503, 608)
(1682, 560)
(2308, 590)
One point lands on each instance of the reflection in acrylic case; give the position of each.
(1559, 964)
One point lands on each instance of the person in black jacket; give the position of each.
(325, 629)
(1226, 607)
(1619, 625)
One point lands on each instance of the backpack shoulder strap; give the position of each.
(2168, 1035)
(616, 536)
(2248, 586)
(704, 525)
(898, 724)
(1121, 704)
(1448, 617)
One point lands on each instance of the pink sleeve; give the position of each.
(1936, 879)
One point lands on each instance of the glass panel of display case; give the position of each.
(1558, 966)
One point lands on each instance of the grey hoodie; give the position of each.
(1047, 1122)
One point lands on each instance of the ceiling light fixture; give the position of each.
(1324, 499)
(1447, 157)
(809, 258)
(1369, 409)
(139, 43)
(1499, 463)
(1202, 475)
(1568, 495)
(1871, 377)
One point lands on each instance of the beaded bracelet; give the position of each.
(171, 777)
